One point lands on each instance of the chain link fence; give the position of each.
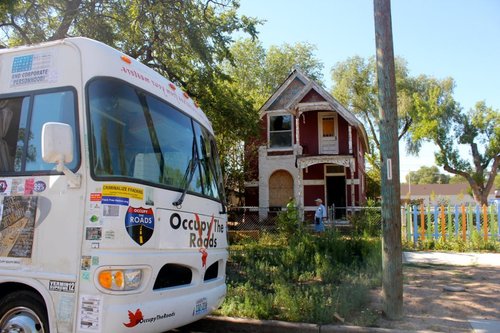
(253, 221)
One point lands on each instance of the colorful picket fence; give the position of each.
(450, 222)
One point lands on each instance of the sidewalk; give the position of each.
(460, 259)
(453, 259)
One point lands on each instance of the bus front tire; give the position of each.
(23, 311)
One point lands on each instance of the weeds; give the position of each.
(298, 276)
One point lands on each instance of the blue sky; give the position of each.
(442, 38)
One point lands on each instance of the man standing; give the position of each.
(320, 216)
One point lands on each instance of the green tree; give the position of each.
(184, 40)
(427, 175)
(457, 179)
(355, 86)
(258, 72)
(373, 184)
(449, 128)
(280, 60)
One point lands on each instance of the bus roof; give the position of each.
(100, 60)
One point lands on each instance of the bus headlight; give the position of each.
(120, 279)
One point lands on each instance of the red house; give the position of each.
(310, 147)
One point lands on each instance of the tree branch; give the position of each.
(493, 174)
(476, 158)
(20, 30)
(69, 15)
(406, 127)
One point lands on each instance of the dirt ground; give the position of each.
(428, 306)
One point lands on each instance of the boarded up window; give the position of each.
(280, 188)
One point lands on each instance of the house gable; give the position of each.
(280, 103)
(312, 96)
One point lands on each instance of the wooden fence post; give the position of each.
(449, 232)
(408, 222)
(493, 225)
(422, 222)
(498, 218)
(478, 220)
(443, 224)
(485, 223)
(470, 221)
(415, 225)
(464, 223)
(436, 229)
(429, 222)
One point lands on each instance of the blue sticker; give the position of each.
(22, 64)
(115, 201)
(140, 224)
(39, 186)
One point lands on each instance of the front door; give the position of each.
(328, 134)
(335, 195)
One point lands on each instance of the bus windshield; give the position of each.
(138, 137)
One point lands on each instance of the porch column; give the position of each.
(351, 167)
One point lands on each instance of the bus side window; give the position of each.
(21, 122)
(11, 112)
(58, 107)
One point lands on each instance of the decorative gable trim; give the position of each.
(304, 107)
(295, 74)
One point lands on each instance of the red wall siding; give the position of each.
(312, 192)
(343, 136)
(314, 172)
(308, 128)
(263, 129)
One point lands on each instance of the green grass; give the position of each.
(301, 277)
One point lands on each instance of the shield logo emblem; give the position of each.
(140, 224)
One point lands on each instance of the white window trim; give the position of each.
(292, 130)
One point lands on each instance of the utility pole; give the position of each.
(392, 275)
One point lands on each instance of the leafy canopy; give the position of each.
(427, 175)
(257, 72)
(184, 40)
(355, 86)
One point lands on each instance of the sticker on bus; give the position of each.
(31, 69)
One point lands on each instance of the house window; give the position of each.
(329, 127)
(280, 131)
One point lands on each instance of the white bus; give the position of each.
(112, 216)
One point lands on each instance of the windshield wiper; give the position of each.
(188, 174)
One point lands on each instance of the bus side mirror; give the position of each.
(57, 147)
(57, 143)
